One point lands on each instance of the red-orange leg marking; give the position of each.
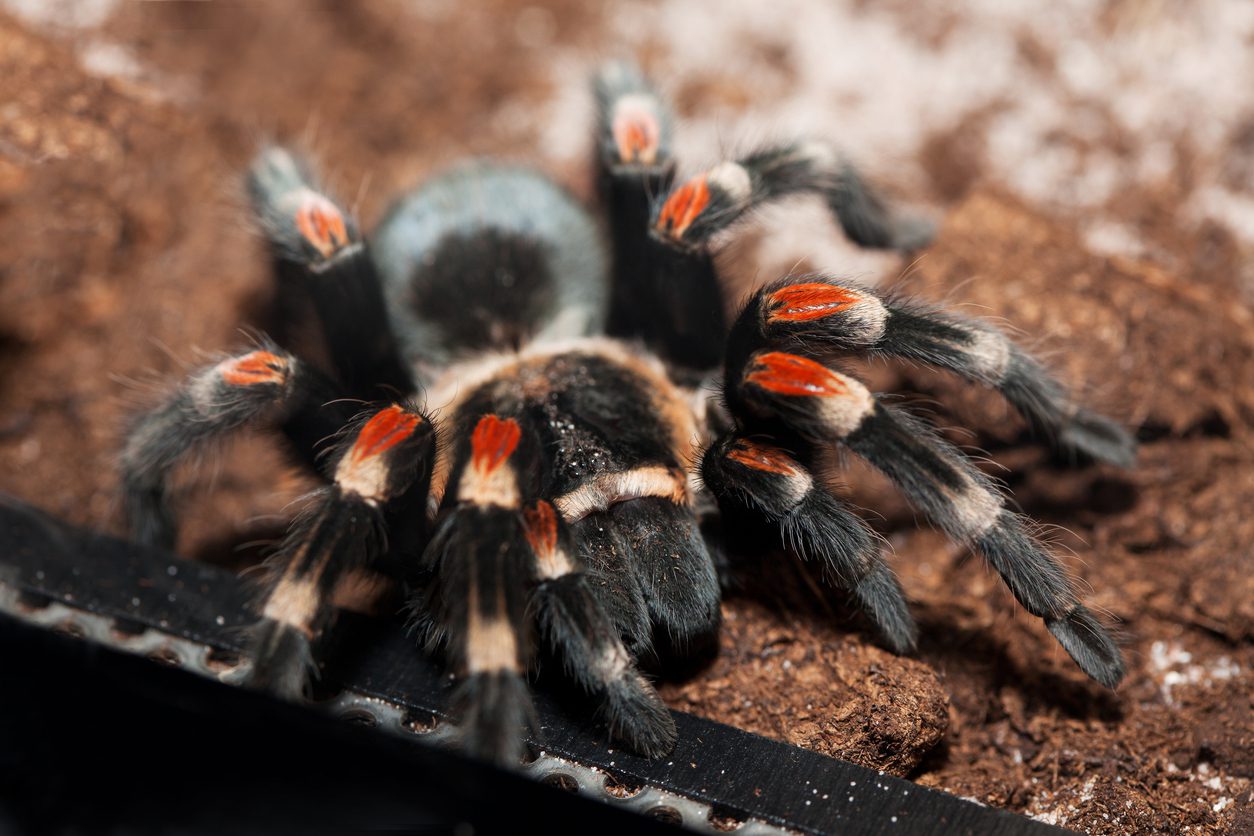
(493, 442)
(255, 368)
(812, 300)
(788, 374)
(540, 523)
(683, 207)
(636, 133)
(762, 457)
(384, 431)
(321, 224)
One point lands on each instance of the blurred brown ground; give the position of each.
(125, 251)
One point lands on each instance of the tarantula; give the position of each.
(569, 390)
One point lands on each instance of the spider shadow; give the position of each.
(978, 660)
(973, 659)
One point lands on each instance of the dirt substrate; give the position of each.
(125, 251)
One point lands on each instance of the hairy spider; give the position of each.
(570, 389)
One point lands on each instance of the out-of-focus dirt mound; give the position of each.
(124, 249)
(800, 680)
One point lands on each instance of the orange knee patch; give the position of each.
(255, 368)
(683, 207)
(384, 431)
(808, 301)
(636, 133)
(321, 224)
(763, 457)
(493, 441)
(541, 529)
(788, 374)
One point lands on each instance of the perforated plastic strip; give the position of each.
(717, 779)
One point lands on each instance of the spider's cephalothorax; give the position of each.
(547, 481)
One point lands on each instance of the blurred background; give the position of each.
(1093, 164)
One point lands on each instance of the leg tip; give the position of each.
(639, 718)
(283, 662)
(913, 233)
(880, 597)
(276, 171)
(1090, 645)
(496, 713)
(1097, 437)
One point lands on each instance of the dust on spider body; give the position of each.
(553, 413)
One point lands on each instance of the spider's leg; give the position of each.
(482, 566)
(669, 298)
(645, 513)
(673, 566)
(753, 475)
(263, 385)
(319, 250)
(381, 471)
(572, 619)
(823, 406)
(819, 316)
(714, 200)
(612, 576)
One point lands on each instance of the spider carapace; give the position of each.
(551, 407)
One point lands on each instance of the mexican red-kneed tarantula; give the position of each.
(543, 480)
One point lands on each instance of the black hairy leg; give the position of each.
(821, 317)
(579, 631)
(668, 298)
(763, 479)
(802, 398)
(381, 473)
(318, 252)
(715, 200)
(481, 566)
(263, 386)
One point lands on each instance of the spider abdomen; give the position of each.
(487, 257)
